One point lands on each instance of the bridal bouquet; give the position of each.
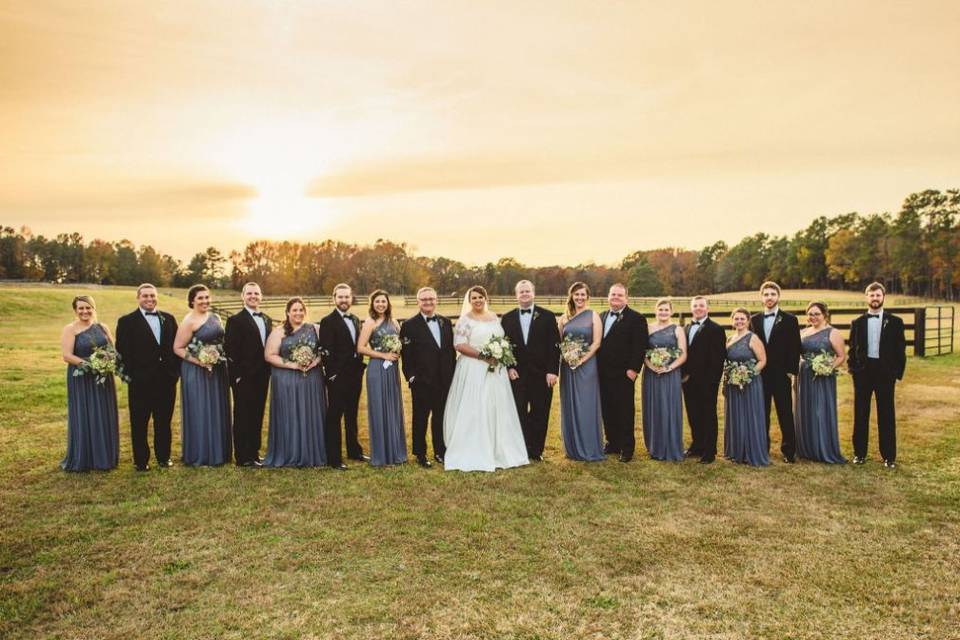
(102, 364)
(302, 354)
(573, 349)
(739, 374)
(389, 343)
(821, 364)
(209, 355)
(498, 348)
(661, 357)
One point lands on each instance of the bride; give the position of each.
(480, 424)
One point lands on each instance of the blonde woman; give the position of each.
(662, 390)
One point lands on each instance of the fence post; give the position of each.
(920, 332)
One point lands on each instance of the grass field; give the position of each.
(553, 550)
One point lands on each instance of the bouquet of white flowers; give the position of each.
(739, 374)
(389, 343)
(209, 354)
(103, 363)
(662, 357)
(302, 354)
(498, 348)
(822, 364)
(573, 349)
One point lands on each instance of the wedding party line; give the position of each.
(482, 387)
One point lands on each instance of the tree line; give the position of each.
(915, 251)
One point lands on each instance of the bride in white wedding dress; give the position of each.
(480, 424)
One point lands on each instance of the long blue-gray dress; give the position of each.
(663, 404)
(205, 432)
(744, 422)
(93, 428)
(388, 443)
(580, 423)
(816, 406)
(297, 408)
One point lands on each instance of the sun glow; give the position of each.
(281, 211)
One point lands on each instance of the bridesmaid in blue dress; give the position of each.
(297, 404)
(744, 420)
(580, 421)
(388, 443)
(662, 389)
(205, 432)
(816, 401)
(93, 428)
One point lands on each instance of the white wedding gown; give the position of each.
(480, 424)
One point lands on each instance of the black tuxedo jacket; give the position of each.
(143, 359)
(541, 354)
(625, 347)
(783, 348)
(340, 350)
(893, 345)
(422, 358)
(243, 347)
(707, 353)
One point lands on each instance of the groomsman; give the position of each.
(621, 355)
(343, 370)
(706, 352)
(780, 333)
(428, 360)
(246, 335)
(878, 358)
(145, 344)
(535, 336)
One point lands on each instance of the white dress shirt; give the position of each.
(526, 319)
(611, 320)
(874, 328)
(695, 328)
(350, 327)
(261, 324)
(768, 322)
(434, 327)
(153, 319)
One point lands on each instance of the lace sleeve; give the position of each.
(461, 334)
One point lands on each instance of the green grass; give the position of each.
(556, 550)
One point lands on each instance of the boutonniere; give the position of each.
(779, 318)
(536, 314)
(885, 321)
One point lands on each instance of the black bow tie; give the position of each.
(523, 311)
(151, 313)
(615, 314)
(696, 322)
(432, 319)
(769, 315)
(347, 316)
(873, 316)
(257, 314)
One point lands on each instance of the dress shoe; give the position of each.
(624, 458)
(166, 464)
(690, 453)
(708, 460)
(890, 464)
(789, 459)
(143, 467)
(361, 458)
(339, 467)
(858, 460)
(423, 462)
(536, 458)
(439, 459)
(250, 464)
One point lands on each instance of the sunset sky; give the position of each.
(552, 131)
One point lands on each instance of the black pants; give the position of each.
(533, 398)
(700, 399)
(343, 396)
(249, 402)
(874, 381)
(618, 406)
(428, 404)
(777, 391)
(153, 398)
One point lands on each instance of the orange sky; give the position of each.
(548, 131)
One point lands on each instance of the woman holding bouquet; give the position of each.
(297, 404)
(744, 420)
(662, 389)
(380, 341)
(93, 431)
(481, 428)
(581, 333)
(204, 402)
(816, 403)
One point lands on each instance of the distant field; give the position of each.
(554, 550)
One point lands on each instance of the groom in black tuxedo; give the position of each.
(706, 353)
(535, 337)
(343, 370)
(619, 360)
(246, 335)
(780, 333)
(428, 360)
(145, 344)
(878, 358)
